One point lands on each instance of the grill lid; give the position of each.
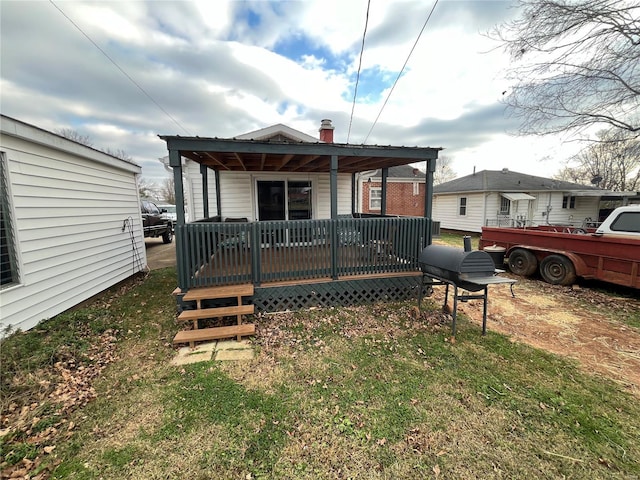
(454, 260)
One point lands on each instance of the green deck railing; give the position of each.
(218, 253)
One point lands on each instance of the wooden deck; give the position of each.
(303, 263)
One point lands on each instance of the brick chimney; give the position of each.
(326, 131)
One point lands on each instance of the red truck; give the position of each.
(610, 252)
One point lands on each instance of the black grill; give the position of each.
(469, 270)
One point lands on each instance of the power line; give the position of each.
(402, 70)
(121, 69)
(355, 92)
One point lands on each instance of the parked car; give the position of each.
(172, 213)
(155, 222)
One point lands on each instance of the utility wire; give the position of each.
(355, 92)
(120, 68)
(402, 70)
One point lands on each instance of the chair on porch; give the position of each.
(236, 239)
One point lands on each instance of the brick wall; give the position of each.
(400, 198)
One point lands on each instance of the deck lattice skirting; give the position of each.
(338, 293)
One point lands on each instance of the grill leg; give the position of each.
(484, 311)
(455, 312)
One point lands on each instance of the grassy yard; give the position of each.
(371, 392)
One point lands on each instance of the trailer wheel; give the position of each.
(522, 262)
(557, 270)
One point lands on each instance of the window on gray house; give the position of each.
(8, 268)
(568, 201)
(462, 208)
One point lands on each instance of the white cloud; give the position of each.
(213, 67)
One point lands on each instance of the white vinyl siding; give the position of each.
(193, 193)
(238, 198)
(446, 208)
(486, 206)
(70, 211)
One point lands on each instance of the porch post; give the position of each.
(176, 164)
(354, 194)
(428, 199)
(205, 190)
(383, 201)
(333, 184)
(218, 194)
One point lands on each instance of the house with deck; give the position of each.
(507, 198)
(70, 223)
(286, 233)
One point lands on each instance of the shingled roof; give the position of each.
(507, 181)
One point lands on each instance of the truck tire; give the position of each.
(522, 262)
(558, 270)
(167, 236)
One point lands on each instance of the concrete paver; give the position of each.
(234, 355)
(220, 350)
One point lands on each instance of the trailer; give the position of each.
(560, 254)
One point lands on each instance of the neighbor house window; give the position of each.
(416, 188)
(568, 201)
(505, 206)
(8, 265)
(462, 209)
(375, 198)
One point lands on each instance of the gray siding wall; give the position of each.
(68, 211)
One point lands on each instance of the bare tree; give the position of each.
(612, 163)
(118, 153)
(147, 189)
(168, 191)
(576, 65)
(74, 135)
(444, 172)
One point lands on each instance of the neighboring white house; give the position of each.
(71, 223)
(245, 194)
(506, 198)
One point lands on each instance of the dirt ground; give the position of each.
(580, 323)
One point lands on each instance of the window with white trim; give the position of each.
(505, 206)
(462, 206)
(416, 188)
(568, 201)
(8, 264)
(375, 198)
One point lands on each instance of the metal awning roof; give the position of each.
(269, 156)
(514, 197)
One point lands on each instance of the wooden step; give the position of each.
(215, 333)
(228, 291)
(197, 314)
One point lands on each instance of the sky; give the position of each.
(123, 73)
